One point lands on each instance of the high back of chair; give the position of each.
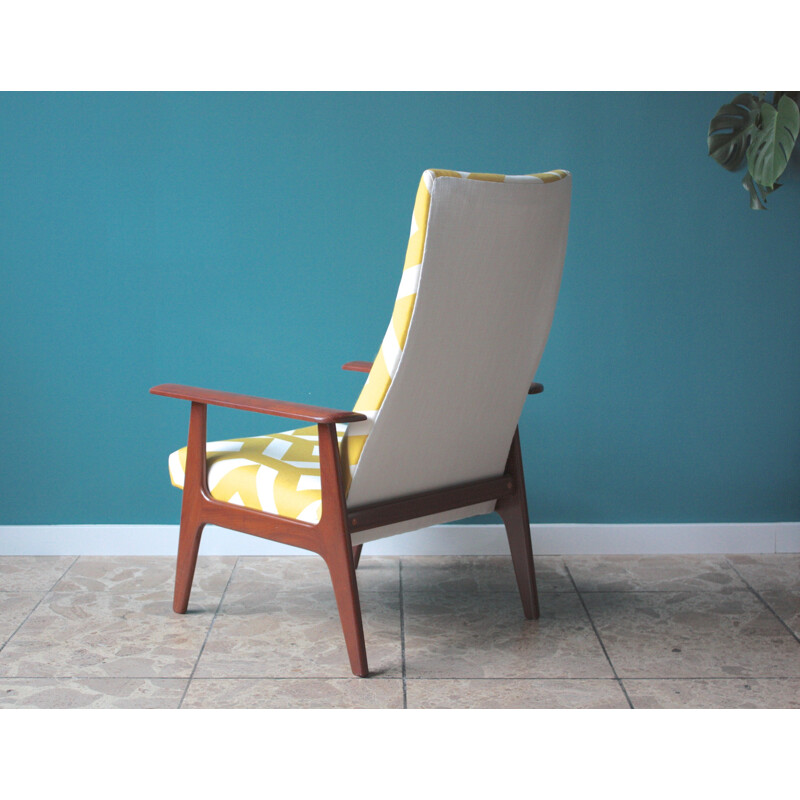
(470, 323)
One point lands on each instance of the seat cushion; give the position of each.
(277, 473)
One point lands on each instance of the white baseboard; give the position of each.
(739, 537)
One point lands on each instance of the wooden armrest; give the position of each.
(358, 366)
(261, 405)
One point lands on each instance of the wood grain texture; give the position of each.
(329, 538)
(376, 515)
(261, 405)
(358, 366)
(513, 509)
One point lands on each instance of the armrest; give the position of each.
(366, 366)
(261, 405)
(358, 366)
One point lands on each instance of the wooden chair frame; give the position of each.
(330, 537)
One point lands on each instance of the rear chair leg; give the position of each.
(188, 547)
(513, 510)
(519, 542)
(356, 554)
(191, 515)
(341, 564)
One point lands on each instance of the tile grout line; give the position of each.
(53, 587)
(402, 633)
(597, 634)
(208, 633)
(41, 600)
(712, 678)
(771, 609)
(541, 678)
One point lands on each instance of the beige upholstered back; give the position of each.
(492, 252)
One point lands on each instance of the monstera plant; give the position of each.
(762, 133)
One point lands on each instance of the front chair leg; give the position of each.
(341, 564)
(513, 510)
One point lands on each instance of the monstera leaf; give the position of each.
(773, 140)
(732, 128)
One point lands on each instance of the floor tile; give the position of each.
(105, 634)
(499, 693)
(14, 608)
(692, 635)
(786, 605)
(294, 693)
(130, 574)
(487, 636)
(31, 573)
(91, 692)
(268, 575)
(777, 571)
(294, 634)
(702, 573)
(682, 631)
(471, 574)
(715, 693)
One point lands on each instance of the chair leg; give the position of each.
(341, 564)
(519, 542)
(188, 547)
(356, 554)
(514, 512)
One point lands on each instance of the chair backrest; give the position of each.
(469, 326)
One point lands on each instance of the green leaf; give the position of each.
(772, 143)
(731, 129)
(755, 200)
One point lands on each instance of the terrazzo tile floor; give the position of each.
(441, 632)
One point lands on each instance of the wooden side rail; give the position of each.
(329, 537)
(261, 405)
(400, 509)
(366, 366)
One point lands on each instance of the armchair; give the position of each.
(433, 435)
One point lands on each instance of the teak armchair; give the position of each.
(433, 436)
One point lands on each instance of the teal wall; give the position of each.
(253, 242)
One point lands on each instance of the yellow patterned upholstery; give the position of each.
(279, 473)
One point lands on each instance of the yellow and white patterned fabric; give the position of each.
(279, 473)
